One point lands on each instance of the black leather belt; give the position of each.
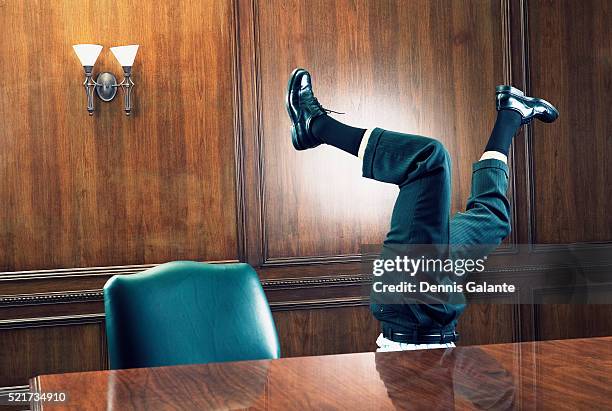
(415, 337)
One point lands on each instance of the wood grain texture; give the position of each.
(568, 374)
(326, 331)
(559, 321)
(489, 323)
(422, 67)
(30, 351)
(570, 50)
(109, 190)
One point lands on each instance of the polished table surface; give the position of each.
(562, 374)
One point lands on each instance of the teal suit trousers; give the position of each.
(421, 168)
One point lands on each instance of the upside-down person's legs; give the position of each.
(421, 168)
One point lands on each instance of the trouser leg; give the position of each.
(420, 167)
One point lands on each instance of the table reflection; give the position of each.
(451, 378)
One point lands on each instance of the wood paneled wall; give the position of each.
(570, 62)
(111, 190)
(573, 68)
(205, 170)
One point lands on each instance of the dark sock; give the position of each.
(506, 126)
(337, 134)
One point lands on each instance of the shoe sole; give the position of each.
(292, 78)
(518, 93)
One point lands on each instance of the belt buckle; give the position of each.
(452, 337)
(444, 338)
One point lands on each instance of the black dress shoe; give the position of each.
(303, 107)
(510, 98)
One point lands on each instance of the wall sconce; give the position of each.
(106, 84)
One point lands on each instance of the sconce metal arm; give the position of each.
(127, 84)
(89, 85)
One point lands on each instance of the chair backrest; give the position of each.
(186, 312)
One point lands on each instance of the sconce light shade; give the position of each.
(87, 53)
(125, 55)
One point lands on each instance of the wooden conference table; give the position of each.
(556, 375)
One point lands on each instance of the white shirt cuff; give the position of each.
(496, 155)
(364, 143)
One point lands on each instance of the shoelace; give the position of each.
(313, 100)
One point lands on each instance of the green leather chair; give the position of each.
(185, 312)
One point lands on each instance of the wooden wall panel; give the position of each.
(559, 321)
(77, 191)
(570, 50)
(570, 63)
(326, 331)
(424, 67)
(489, 323)
(37, 349)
